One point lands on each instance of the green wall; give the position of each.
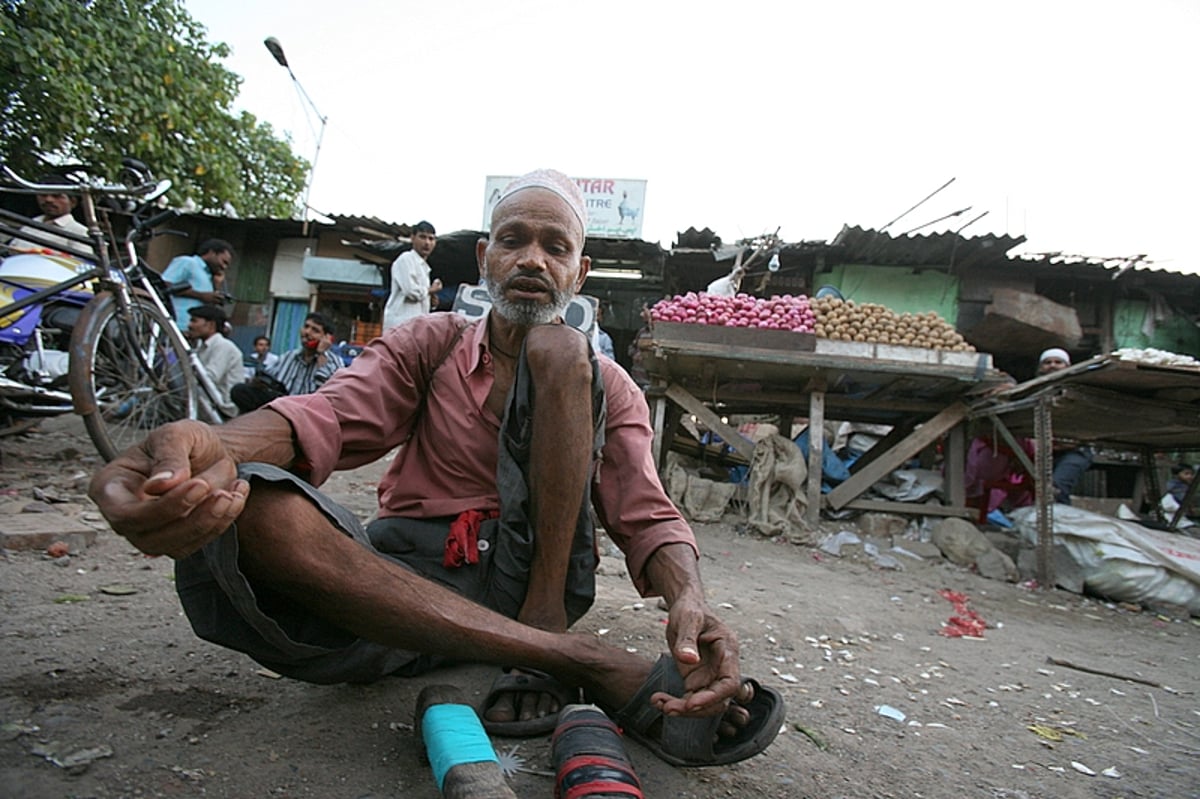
(898, 288)
(1174, 334)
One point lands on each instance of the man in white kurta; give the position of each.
(411, 287)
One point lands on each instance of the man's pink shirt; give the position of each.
(367, 409)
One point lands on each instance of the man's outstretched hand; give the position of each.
(706, 653)
(174, 492)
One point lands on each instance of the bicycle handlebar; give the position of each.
(158, 219)
(148, 186)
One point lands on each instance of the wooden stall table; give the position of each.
(1125, 404)
(710, 372)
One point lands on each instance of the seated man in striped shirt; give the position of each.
(299, 371)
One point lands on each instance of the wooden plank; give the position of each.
(883, 445)
(735, 337)
(728, 434)
(816, 454)
(1044, 492)
(674, 359)
(1017, 450)
(920, 438)
(911, 508)
(658, 415)
(956, 466)
(762, 399)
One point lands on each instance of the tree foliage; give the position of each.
(94, 81)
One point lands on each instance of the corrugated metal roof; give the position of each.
(859, 245)
(1111, 268)
(365, 225)
(369, 224)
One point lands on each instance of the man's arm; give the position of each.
(408, 278)
(704, 647)
(178, 489)
(182, 276)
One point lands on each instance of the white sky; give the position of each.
(1073, 123)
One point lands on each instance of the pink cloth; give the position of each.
(449, 466)
(994, 471)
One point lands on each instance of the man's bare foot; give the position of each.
(621, 676)
(692, 720)
(520, 698)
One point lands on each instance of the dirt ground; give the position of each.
(105, 691)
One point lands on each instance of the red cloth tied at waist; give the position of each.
(462, 542)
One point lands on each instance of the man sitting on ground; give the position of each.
(261, 358)
(221, 358)
(299, 371)
(483, 549)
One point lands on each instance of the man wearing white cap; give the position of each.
(483, 547)
(1070, 461)
(1053, 360)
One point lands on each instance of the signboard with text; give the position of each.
(614, 206)
(474, 301)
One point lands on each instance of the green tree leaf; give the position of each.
(93, 82)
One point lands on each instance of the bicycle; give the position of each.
(130, 368)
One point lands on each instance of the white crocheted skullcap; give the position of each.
(1055, 352)
(550, 180)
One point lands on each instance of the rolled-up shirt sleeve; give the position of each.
(628, 496)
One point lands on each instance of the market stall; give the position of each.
(923, 394)
(1130, 400)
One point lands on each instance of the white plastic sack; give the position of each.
(1122, 560)
(1168, 504)
(727, 286)
(910, 485)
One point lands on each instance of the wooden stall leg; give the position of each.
(956, 466)
(1044, 463)
(816, 456)
(730, 435)
(658, 416)
(1156, 492)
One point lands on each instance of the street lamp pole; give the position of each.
(276, 50)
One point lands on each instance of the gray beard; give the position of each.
(527, 313)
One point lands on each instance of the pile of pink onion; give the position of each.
(780, 312)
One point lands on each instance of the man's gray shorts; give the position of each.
(226, 608)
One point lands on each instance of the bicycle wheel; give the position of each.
(128, 374)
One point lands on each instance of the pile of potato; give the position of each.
(846, 320)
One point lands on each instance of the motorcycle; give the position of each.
(34, 341)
